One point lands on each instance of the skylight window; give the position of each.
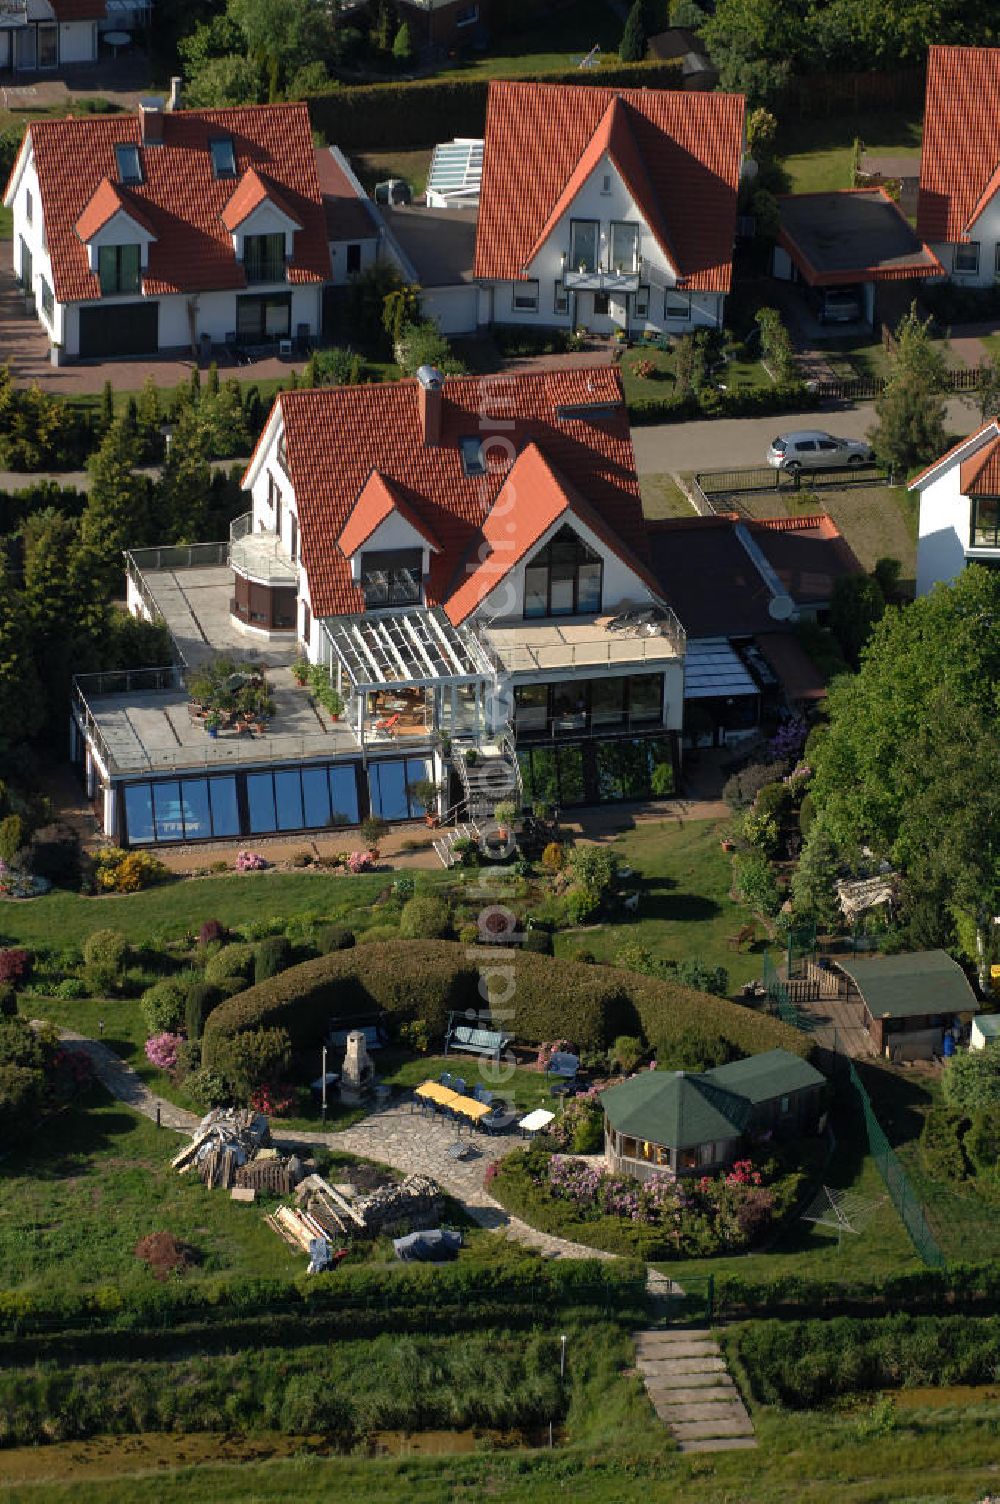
(473, 462)
(127, 156)
(223, 157)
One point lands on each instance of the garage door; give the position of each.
(119, 329)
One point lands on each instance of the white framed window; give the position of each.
(606, 183)
(29, 205)
(676, 305)
(48, 303)
(473, 460)
(640, 304)
(223, 157)
(127, 158)
(624, 246)
(967, 257)
(525, 297)
(584, 244)
(560, 299)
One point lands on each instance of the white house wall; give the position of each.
(943, 533)
(215, 314)
(455, 310)
(33, 235)
(338, 259)
(985, 230)
(78, 42)
(619, 583)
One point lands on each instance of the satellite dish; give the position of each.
(781, 608)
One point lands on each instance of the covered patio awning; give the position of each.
(417, 647)
(713, 670)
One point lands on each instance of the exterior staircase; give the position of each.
(691, 1391)
(494, 778)
(444, 844)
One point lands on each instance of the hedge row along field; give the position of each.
(538, 996)
(344, 1390)
(372, 117)
(973, 1288)
(805, 1364)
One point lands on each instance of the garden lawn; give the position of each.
(736, 374)
(526, 1089)
(94, 1179)
(528, 50)
(663, 497)
(375, 166)
(179, 908)
(815, 152)
(877, 521)
(685, 912)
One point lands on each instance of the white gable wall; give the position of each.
(120, 229)
(266, 219)
(985, 230)
(393, 533)
(33, 236)
(943, 531)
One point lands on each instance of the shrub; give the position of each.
(403, 888)
(255, 1059)
(807, 814)
(251, 861)
(233, 963)
(972, 1081)
(164, 1005)
(941, 1150)
(595, 867)
(161, 1050)
(742, 788)
(772, 801)
(119, 871)
(301, 858)
(333, 937)
(692, 1050)
(425, 918)
(70, 988)
(201, 998)
(982, 1142)
(469, 934)
(582, 905)
(554, 857)
(272, 955)
(15, 965)
(54, 853)
(755, 883)
(538, 941)
(8, 1000)
(104, 956)
(694, 973)
(212, 932)
(761, 831)
(13, 834)
(378, 934)
(207, 1089)
(625, 1053)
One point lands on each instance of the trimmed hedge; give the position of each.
(759, 402)
(369, 117)
(537, 997)
(805, 1364)
(973, 1288)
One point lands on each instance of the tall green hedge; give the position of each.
(537, 998)
(372, 117)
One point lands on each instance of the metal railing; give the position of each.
(614, 644)
(179, 556)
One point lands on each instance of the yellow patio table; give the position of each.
(433, 1091)
(469, 1108)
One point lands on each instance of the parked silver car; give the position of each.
(810, 449)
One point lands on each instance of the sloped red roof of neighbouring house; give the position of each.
(512, 529)
(336, 436)
(79, 10)
(980, 475)
(253, 190)
(108, 200)
(680, 154)
(347, 217)
(991, 423)
(378, 499)
(961, 144)
(181, 200)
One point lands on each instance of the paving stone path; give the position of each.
(683, 1368)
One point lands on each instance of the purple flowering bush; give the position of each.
(161, 1050)
(788, 740)
(251, 861)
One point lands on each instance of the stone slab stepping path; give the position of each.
(691, 1390)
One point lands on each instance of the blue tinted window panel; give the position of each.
(315, 798)
(194, 809)
(388, 790)
(288, 799)
(344, 796)
(139, 813)
(417, 769)
(167, 809)
(260, 802)
(225, 810)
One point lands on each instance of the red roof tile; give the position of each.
(980, 475)
(347, 217)
(680, 155)
(335, 437)
(181, 199)
(108, 200)
(378, 499)
(918, 480)
(961, 145)
(253, 190)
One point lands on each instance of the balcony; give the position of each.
(649, 636)
(264, 268)
(599, 279)
(260, 556)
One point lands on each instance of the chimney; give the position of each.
(430, 383)
(174, 102)
(151, 121)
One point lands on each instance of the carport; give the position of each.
(852, 237)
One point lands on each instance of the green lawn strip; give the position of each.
(815, 152)
(528, 50)
(374, 167)
(526, 1089)
(663, 497)
(685, 911)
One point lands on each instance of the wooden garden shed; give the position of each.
(909, 1000)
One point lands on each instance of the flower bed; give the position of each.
(660, 1218)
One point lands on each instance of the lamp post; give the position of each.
(167, 433)
(562, 1356)
(323, 1086)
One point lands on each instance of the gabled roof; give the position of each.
(762, 1078)
(253, 190)
(991, 428)
(960, 159)
(980, 475)
(512, 529)
(108, 200)
(336, 436)
(615, 139)
(681, 154)
(345, 207)
(378, 499)
(180, 198)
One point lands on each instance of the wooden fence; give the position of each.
(833, 93)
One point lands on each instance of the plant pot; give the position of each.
(430, 819)
(212, 730)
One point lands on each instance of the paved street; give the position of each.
(716, 443)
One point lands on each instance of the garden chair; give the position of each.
(463, 1149)
(459, 1085)
(387, 726)
(445, 1080)
(480, 1094)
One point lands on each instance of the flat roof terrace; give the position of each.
(645, 637)
(853, 235)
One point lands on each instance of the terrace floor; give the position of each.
(194, 603)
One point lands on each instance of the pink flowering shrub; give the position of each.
(555, 1047)
(161, 1050)
(251, 861)
(15, 965)
(274, 1101)
(360, 861)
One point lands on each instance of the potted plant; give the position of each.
(471, 756)
(425, 792)
(504, 813)
(373, 828)
(213, 722)
(300, 672)
(334, 703)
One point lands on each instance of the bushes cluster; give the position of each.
(742, 789)
(333, 937)
(803, 1364)
(757, 402)
(428, 979)
(104, 955)
(273, 955)
(233, 963)
(425, 918)
(119, 871)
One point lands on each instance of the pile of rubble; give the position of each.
(230, 1148)
(327, 1214)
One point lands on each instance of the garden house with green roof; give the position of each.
(688, 1122)
(908, 1001)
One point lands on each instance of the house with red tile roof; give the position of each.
(352, 222)
(163, 230)
(959, 508)
(465, 562)
(958, 212)
(608, 208)
(39, 35)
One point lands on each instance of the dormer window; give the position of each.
(118, 268)
(392, 577)
(473, 461)
(129, 168)
(223, 157)
(564, 578)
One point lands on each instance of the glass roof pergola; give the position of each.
(456, 173)
(416, 646)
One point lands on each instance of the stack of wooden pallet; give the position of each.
(297, 1227)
